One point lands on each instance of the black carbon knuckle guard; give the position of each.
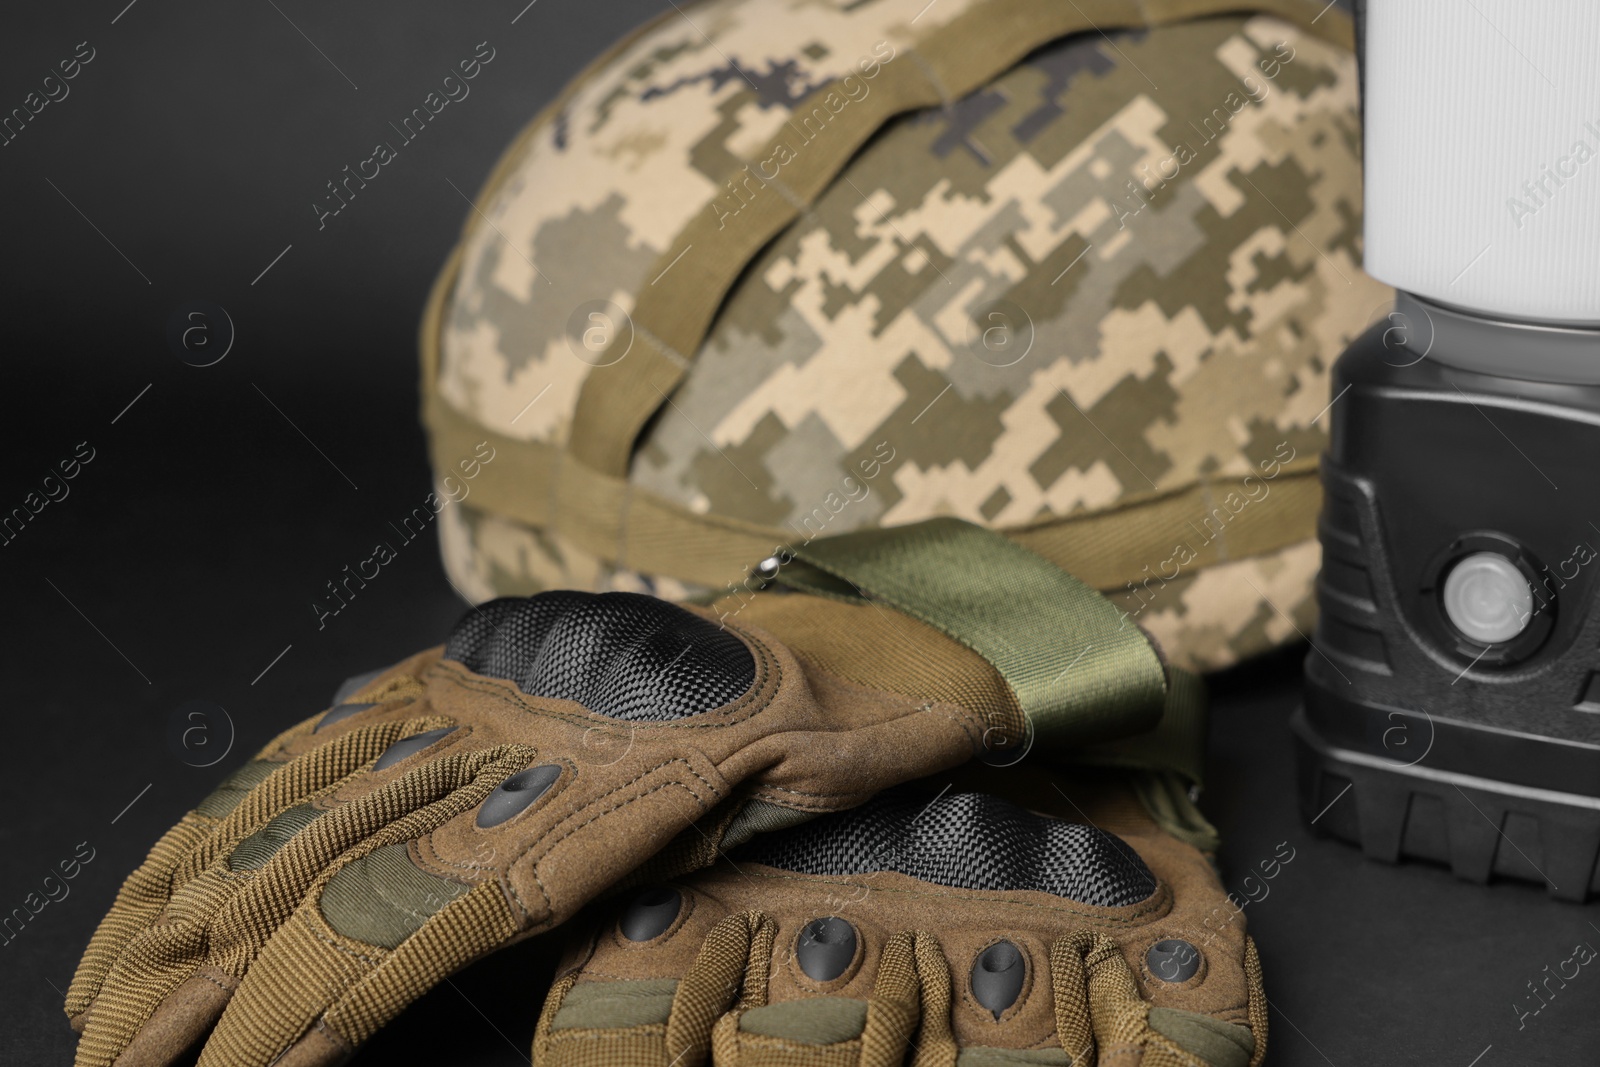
(623, 655)
(965, 841)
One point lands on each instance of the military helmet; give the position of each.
(771, 270)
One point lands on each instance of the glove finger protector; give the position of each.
(483, 792)
(294, 768)
(962, 930)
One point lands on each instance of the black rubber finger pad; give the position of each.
(650, 914)
(1173, 960)
(825, 948)
(997, 976)
(964, 841)
(514, 795)
(623, 655)
(408, 746)
(354, 684)
(340, 713)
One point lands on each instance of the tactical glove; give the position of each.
(480, 793)
(924, 929)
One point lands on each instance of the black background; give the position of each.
(182, 565)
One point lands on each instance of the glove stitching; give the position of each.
(970, 721)
(635, 780)
(1158, 904)
(215, 981)
(305, 920)
(334, 1040)
(820, 808)
(534, 868)
(552, 842)
(967, 721)
(433, 859)
(426, 841)
(591, 973)
(764, 1043)
(315, 892)
(603, 1035)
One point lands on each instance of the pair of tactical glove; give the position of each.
(715, 803)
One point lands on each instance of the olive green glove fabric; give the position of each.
(462, 801)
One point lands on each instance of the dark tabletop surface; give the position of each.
(219, 500)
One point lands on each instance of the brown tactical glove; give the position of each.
(927, 930)
(481, 793)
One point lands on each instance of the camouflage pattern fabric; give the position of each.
(636, 149)
(1120, 269)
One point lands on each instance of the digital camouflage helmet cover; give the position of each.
(774, 271)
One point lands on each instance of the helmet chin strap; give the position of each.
(1482, 167)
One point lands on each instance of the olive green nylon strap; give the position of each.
(1080, 671)
(535, 484)
(1167, 763)
(1176, 744)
